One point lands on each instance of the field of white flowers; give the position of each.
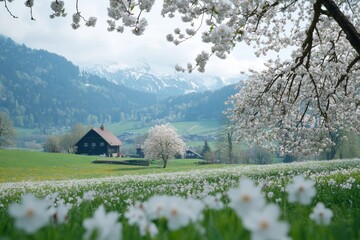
(305, 200)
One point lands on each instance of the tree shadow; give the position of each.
(136, 168)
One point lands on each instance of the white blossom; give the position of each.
(89, 195)
(190, 32)
(76, 17)
(105, 225)
(247, 197)
(59, 213)
(321, 214)
(264, 224)
(91, 22)
(140, 28)
(146, 4)
(170, 37)
(31, 215)
(213, 201)
(301, 190)
(58, 8)
(29, 3)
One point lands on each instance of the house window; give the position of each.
(86, 145)
(102, 144)
(93, 144)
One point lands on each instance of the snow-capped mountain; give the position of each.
(144, 78)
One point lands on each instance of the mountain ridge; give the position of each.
(40, 89)
(144, 78)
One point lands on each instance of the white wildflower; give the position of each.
(246, 198)
(321, 214)
(60, 213)
(301, 190)
(214, 202)
(31, 215)
(150, 229)
(136, 215)
(89, 195)
(265, 224)
(104, 224)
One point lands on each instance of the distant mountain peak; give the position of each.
(144, 78)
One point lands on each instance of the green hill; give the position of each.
(40, 90)
(43, 90)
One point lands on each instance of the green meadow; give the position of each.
(85, 187)
(22, 165)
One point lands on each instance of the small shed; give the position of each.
(98, 141)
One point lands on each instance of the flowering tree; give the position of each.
(7, 132)
(295, 105)
(163, 142)
(298, 106)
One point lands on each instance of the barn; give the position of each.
(98, 141)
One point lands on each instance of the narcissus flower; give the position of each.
(246, 198)
(213, 202)
(59, 213)
(265, 224)
(321, 214)
(31, 214)
(104, 224)
(301, 190)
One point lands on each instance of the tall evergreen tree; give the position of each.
(206, 148)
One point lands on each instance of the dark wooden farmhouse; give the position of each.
(98, 141)
(191, 154)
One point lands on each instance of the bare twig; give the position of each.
(7, 8)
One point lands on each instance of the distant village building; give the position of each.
(188, 154)
(139, 152)
(191, 154)
(98, 141)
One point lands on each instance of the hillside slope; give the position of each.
(41, 89)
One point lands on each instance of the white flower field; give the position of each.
(304, 200)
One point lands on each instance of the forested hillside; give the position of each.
(196, 106)
(40, 89)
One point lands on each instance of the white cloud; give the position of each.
(92, 46)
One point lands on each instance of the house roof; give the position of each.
(193, 152)
(108, 136)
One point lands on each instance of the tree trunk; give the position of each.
(230, 147)
(165, 163)
(351, 33)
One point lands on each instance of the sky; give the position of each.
(91, 46)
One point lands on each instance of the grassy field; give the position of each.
(21, 165)
(184, 201)
(205, 127)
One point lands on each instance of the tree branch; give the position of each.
(7, 9)
(351, 33)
